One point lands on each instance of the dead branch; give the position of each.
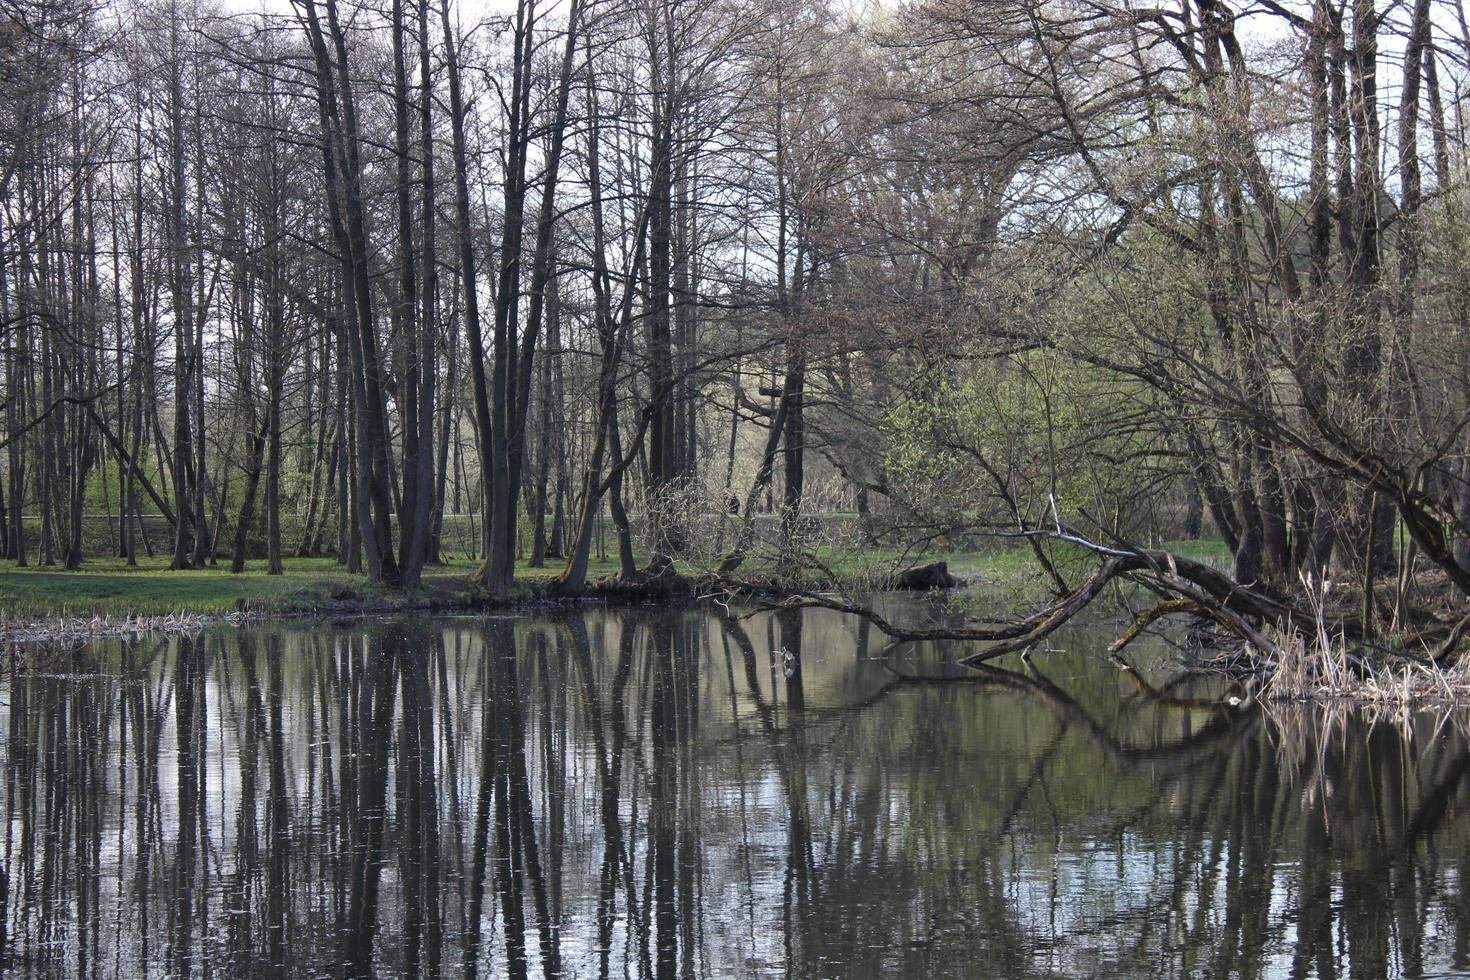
(1195, 587)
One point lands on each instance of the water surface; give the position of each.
(654, 793)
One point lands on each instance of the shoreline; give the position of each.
(42, 603)
(528, 598)
(1315, 673)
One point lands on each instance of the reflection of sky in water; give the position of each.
(1012, 823)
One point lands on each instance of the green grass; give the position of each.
(1201, 549)
(997, 563)
(865, 562)
(108, 586)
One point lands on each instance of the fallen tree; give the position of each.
(1254, 615)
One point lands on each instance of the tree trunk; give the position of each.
(245, 522)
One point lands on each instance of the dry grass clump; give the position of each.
(1312, 662)
(26, 630)
(1317, 665)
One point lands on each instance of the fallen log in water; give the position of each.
(1255, 615)
(1209, 591)
(1290, 646)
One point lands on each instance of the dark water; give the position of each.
(654, 793)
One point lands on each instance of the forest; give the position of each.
(727, 288)
(734, 488)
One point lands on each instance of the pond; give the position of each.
(702, 793)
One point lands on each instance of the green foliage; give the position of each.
(976, 443)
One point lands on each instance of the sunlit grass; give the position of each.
(110, 587)
(1003, 563)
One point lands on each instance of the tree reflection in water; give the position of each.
(679, 794)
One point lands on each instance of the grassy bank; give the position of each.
(109, 587)
(107, 596)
